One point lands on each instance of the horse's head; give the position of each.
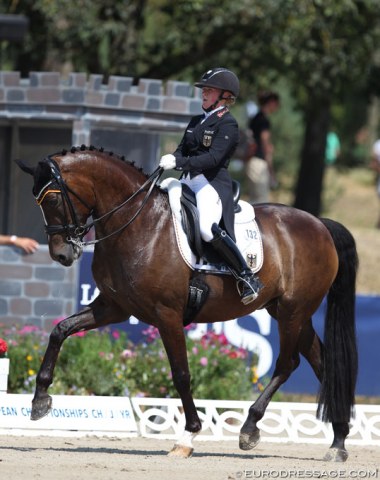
(65, 211)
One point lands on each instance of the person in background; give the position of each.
(203, 156)
(27, 244)
(259, 168)
(375, 165)
(332, 148)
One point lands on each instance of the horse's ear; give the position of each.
(24, 167)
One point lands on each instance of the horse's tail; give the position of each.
(340, 359)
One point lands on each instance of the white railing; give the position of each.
(222, 420)
(163, 418)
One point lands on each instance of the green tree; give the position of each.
(324, 48)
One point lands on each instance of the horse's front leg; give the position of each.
(173, 338)
(95, 315)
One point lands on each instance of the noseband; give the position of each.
(75, 231)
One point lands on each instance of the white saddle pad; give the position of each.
(248, 237)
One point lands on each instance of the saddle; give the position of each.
(198, 254)
(190, 219)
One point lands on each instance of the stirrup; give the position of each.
(247, 291)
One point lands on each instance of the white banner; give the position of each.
(75, 413)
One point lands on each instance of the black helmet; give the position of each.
(220, 78)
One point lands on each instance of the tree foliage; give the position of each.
(324, 48)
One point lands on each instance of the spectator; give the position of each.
(259, 168)
(375, 165)
(27, 244)
(332, 148)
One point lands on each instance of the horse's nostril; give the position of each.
(62, 258)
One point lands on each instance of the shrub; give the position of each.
(102, 362)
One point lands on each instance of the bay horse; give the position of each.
(139, 271)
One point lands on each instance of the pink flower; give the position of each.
(58, 320)
(116, 334)
(203, 361)
(3, 348)
(151, 333)
(28, 329)
(194, 350)
(127, 353)
(79, 334)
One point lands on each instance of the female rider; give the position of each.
(203, 155)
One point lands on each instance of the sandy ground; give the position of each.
(139, 458)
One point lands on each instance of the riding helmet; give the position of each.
(220, 78)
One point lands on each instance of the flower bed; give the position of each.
(105, 362)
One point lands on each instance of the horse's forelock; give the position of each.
(42, 175)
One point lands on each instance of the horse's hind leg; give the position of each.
(287, 361)
(311, 347)
(96, 315)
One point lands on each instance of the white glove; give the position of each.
(167, 161)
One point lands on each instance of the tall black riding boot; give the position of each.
(248, 284)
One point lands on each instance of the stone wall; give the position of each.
(147, 104)
(47, 112)
(34, 290)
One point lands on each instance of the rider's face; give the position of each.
(210, 96)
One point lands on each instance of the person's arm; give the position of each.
(27, 244)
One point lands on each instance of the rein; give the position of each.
(75, 231)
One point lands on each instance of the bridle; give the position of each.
(75, 231)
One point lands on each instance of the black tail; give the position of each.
(340, 362)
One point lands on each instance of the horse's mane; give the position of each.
(91, 148)
(42, 174)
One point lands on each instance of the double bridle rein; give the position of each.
(75, 231)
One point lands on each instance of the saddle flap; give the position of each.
(246, 231)
(190, 220)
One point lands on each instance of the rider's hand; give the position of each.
(167, 161)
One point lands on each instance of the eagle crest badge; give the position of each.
(207, 139)
(252, 260)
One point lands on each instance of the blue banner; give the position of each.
(258, 333)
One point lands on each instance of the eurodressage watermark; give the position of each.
(307, 473)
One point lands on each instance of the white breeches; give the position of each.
(209, 204)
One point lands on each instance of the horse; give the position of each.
(138, 269)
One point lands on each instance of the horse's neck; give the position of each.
(113, 183)
(114, 187)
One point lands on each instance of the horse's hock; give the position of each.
(48, 111)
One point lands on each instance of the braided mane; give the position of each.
(91, 148)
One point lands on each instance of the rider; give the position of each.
(203, 155)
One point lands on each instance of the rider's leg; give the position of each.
(210, 209)
(210, 213)
(249, 284)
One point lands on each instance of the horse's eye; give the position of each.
(52, 200)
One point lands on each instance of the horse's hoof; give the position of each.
(247, 441)
(41, 407)
(181, 451)
(336, 455)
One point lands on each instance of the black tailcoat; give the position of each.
(207, 148)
